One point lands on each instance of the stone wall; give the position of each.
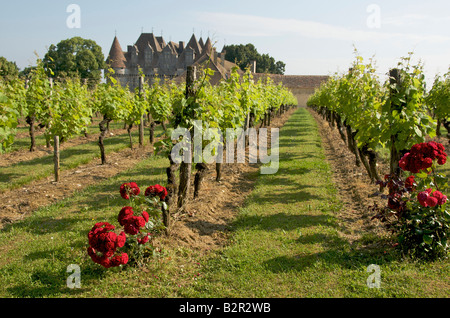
(302, 86)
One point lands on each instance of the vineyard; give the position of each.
(90, 180)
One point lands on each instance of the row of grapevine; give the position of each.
(66, 107)
(438, 101)
(369, 114)
(236, 103)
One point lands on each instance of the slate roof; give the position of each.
(193, 43)
(207, 47)
(116, 57)
(222, 69)
(173, 46)
(149, 38)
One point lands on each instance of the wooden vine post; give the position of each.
(56, 152)
(103, 130)
(152, 130)
(199, 176)
(31, 122)
(200, 166)
(56, 157)
(186, 167)
(395, 154)
(141, 123)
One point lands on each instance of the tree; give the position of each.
(76, 57)
(27, 71)
(8, 69)
(244, 55)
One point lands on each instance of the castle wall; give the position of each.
(302, 95)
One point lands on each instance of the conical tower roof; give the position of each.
(116, 58)
(207, 48)
(194, 45)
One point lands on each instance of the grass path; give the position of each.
(284, 243)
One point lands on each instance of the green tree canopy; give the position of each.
(244, 55)
(8, 69)
(76, 57)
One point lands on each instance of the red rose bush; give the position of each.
(156, 190)
(417, 205)
(133, 243)
(103, 244)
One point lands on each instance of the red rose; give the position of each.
(442, 158)
(134, 224)
(156, 190)
(145, 216)
(143, 240)
(426, 199)
(124, 214)
(421, 156)
(124, 258)
(105, 262)
(422, 197)
(130, 188)
(91, 252)
(403, 162)
(104, 243)
(427, 163)
(121, 259)
(409, 183)
(431, 201)
(99, 237)
(121, 239)
(102, 260)
(441, 199)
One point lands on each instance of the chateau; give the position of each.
(156, 58)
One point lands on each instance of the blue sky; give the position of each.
(311, 37)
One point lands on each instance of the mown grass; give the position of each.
(35, 252)
(284, 243)
(21, 173)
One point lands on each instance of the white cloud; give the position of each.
(405, 20)
(256, 26)
(312, 52)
